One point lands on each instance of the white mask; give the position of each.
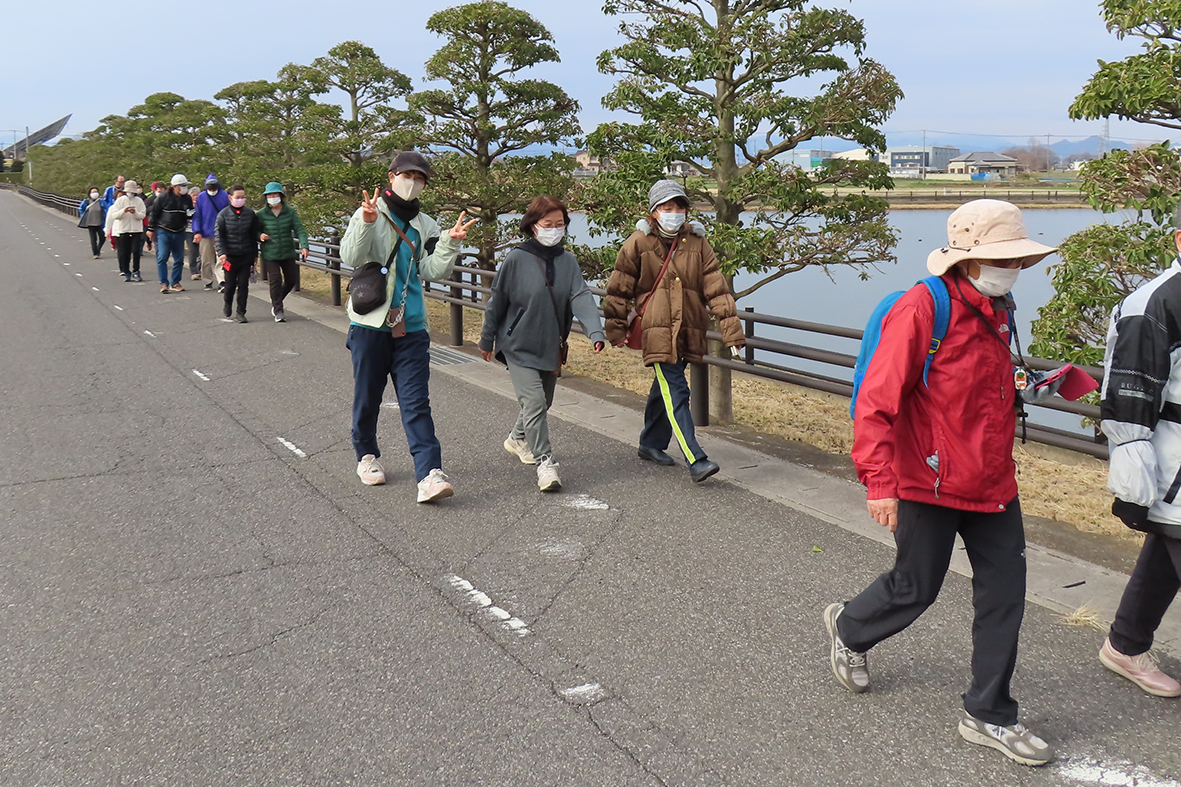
(94, 195)
(407, 188)
(275, 200)
(670, 222)
(211, 191)
(549, 236)
(995, 282)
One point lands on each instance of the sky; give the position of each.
(1004, 67)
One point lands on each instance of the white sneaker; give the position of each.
(547, 475)
(434, 487)
(370, 471)
(519, 449)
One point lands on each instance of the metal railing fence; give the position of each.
(468, 288)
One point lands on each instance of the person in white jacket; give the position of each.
(1141, 415)
(126, 217)
(390, 339)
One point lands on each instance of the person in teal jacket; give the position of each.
(281, 224)
(390, 342)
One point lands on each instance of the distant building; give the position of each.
(860, 154)
(806, 160)
(917, 158)
(681, 169)
(588, 162)
(982, 163)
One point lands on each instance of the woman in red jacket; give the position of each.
(937, 460)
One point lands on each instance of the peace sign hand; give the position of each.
(459, 231)
(369, 206)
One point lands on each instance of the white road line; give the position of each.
(1086, 770)
(77, 274)
(66, 264)
(292, 448)
(485, 605)
(586, 503)
(584, 694)
(120, 308)
(199, 374)
(149, 333)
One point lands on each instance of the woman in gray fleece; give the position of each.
(536, 295)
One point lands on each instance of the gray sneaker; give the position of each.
(850, 667)
(1015, 741)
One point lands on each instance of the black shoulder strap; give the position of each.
(553, 298)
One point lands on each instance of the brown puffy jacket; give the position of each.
(676, 320)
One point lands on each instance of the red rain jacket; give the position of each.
(949, 442)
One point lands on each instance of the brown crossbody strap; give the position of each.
(402, 235)
(659, 276)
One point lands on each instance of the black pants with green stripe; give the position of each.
(667, 413)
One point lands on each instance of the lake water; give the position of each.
(840, 297)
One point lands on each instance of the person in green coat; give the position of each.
(280, 225)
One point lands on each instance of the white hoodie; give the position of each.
(125, 223)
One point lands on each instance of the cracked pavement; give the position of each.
(187, 601)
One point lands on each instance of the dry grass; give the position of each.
(1056, 485)
(1085, 618)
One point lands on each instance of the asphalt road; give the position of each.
(191, 601)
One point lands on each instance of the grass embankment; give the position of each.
(1058, 485)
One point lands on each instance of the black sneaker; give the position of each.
(240, 317)
(209, 286)
(221, 287)
(136, 277)
(226, 310)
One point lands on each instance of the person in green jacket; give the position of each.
(280, 225)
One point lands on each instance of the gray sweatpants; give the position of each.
(535, 394)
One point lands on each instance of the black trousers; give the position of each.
(98, 239)
(1151, 589)
(926, 537)
(194, 254)
(281, 275)
(238, 281)
(129, 247)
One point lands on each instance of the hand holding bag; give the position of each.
(635, 327)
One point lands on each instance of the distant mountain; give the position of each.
(1093, 145)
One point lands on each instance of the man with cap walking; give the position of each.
(167, 222)
(936, 457)
(210, 202)
(390, 340)
(281, 224)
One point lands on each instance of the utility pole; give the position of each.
(925, 162)
(1047, 152)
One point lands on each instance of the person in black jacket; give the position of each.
(166, 225)
(238, 233)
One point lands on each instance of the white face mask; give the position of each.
(211, 189)
(407, 188)
(275, 200)
(995, 282)
(670, 222)
(549, 236)
(94, 195)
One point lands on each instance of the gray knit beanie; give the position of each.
(664, 190)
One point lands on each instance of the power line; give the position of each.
(1010, 136)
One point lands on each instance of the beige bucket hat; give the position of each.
(987, 229)
(131, 187)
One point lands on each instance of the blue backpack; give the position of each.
(873, 331)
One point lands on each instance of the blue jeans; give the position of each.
(170, 243)
(377, 355)
(667, 413)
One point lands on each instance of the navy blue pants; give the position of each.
(377, 355)
(667, 412)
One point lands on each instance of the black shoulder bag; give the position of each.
(367, 288)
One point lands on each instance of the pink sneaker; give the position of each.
(434, 487)
(1141, 670)
(370, 471)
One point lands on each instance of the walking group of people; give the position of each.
(222, 236)
(934, 415)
